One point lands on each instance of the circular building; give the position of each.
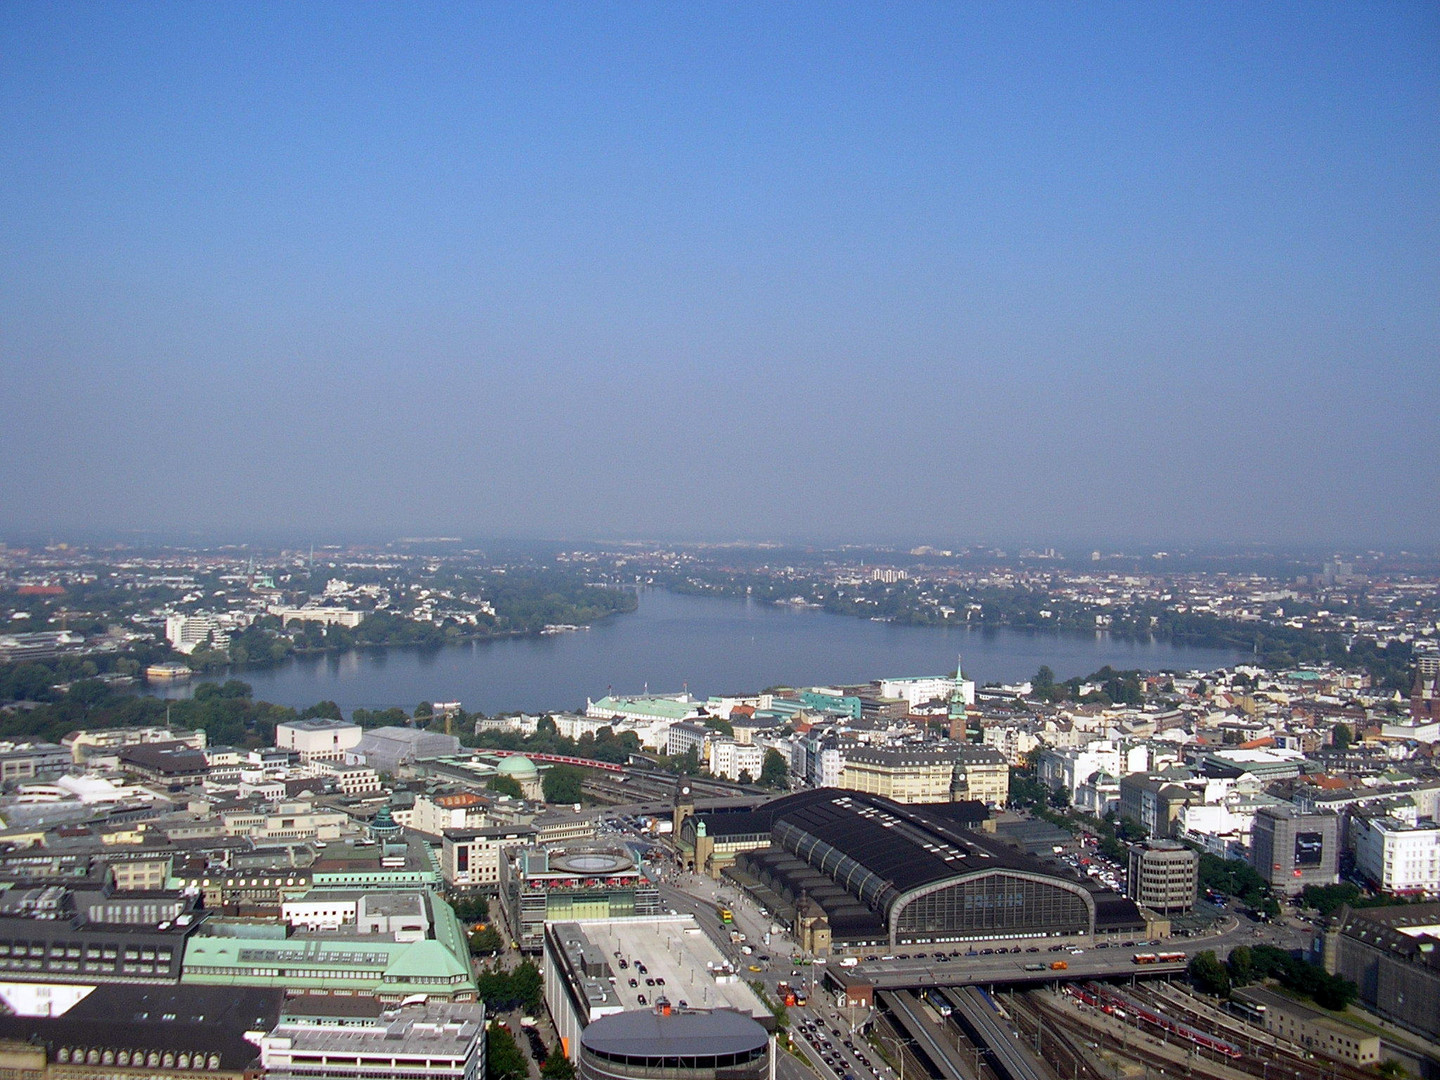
(675, 1046)
(524, 772)
(519, 766)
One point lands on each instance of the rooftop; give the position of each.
(317, 724)
(434, 1028)
(673, 948)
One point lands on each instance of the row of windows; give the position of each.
(835, 864)
(380, 1073)
(685, 1063)
(16, 963)
(283, 973)
(996, 902)
(153, 1059)
(58, 950)
(300, 1058)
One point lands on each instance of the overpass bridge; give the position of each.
(922, 973)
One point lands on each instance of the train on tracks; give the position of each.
(1112, 1001)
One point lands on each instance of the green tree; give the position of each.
(424, 711)
(1043, 681)
(773, 771)
(470, 908)
(562, 784)
(503, 1059)
(1209, 975)
(745, 777)
(526, 981)
(557, 1066)
(1335, 992)
(1240, 963)
(1340, 737)
(502, 784)
(326, 710)
(1327, 899)
(485, 942)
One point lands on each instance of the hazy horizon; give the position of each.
(837, 272)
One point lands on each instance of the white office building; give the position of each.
(729, 759)
(186, 633)
(317, 739)
(1397, 856)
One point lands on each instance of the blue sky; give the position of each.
(952, 271)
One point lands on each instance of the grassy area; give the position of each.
(1346, 1017)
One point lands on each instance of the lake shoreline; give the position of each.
(672, 642)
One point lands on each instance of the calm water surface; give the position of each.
(710, 645)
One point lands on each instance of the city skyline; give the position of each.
(825, 272)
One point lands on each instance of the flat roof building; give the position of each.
(440, 1039)
(667, 957)
(318, 739)
(1164, 876)
(1311, 1028)
(1290, 848)
(946, 772)
(539, 886)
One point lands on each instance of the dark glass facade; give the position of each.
(990, 905)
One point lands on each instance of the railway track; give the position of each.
(1258, 1043)
(1090, 1033)
(1160, 1054)
(1054, 1046)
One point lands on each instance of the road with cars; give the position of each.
(835, 1049)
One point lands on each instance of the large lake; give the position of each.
(708, 645)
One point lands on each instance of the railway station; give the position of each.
(861, 871)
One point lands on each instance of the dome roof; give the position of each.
(519, 766)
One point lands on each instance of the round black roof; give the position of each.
(681, 1034)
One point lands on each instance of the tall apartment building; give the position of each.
(1164, 876)
(1291, 848)
(186, 633)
